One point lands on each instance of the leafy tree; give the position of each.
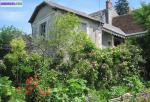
(142, 15)
(7, 33)
(16, 59)
(63, 30)
(122, 7)
(64, 34)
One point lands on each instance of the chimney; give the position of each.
(109, 8)
(109, 4)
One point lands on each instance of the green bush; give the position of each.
(117, 91)
(7, 33)
(106, 67)
(74, 90)
(17, 61)
(134, 84)
(99, 96)
(9, 93)
(2, 65)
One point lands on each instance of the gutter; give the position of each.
(138, 33)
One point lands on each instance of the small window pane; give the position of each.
(43, 29)
(84, 27)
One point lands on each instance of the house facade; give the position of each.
(100, 26)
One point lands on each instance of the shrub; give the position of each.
(106, 67)
(75, 90)
(35, 90)
(8, 92)
(134, 84)
(117, 91)
(7, 33)
(99, 96)
(17, 61)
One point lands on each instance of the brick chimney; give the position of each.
(109, 4)
(109, 11)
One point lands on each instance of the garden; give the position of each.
(78, 71)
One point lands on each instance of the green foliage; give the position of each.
(107, 67)
(2, 65)
(63, 31)
(122, 7)
(18, 45)
(134, 84)
(75, 90)
(142, 15)
(117, 91)
(8, 93)
(77, 66)
(99, 96)
(20, 63)
(6, 35)
(15, 60)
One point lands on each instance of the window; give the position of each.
(43, 29)
(84, 27)
(118, 41)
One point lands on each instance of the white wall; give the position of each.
(46, 14)
(107, 40)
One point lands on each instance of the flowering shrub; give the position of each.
(33, 90)
(79, 65)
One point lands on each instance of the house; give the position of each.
(105, 27)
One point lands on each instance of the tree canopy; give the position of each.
(142, 15)
(122, 7)
(7, 33)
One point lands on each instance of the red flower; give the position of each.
(35, 84)
(18, 87)
(29, 87)
(29, 80)
(28, 92)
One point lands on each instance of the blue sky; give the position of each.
(19, 16)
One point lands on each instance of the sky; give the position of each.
(20, 16)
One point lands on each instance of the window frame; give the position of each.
(42, 29)
(86, 26)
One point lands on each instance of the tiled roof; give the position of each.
(98, 13)
(128, 24)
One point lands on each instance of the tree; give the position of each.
(64, 30)
(122, 7)
(7, 33)
(64, 35)
(142, 15)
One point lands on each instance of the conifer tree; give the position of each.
(122, 7)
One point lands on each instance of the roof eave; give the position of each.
(114, 33)
(138, 33)
(46, 3)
